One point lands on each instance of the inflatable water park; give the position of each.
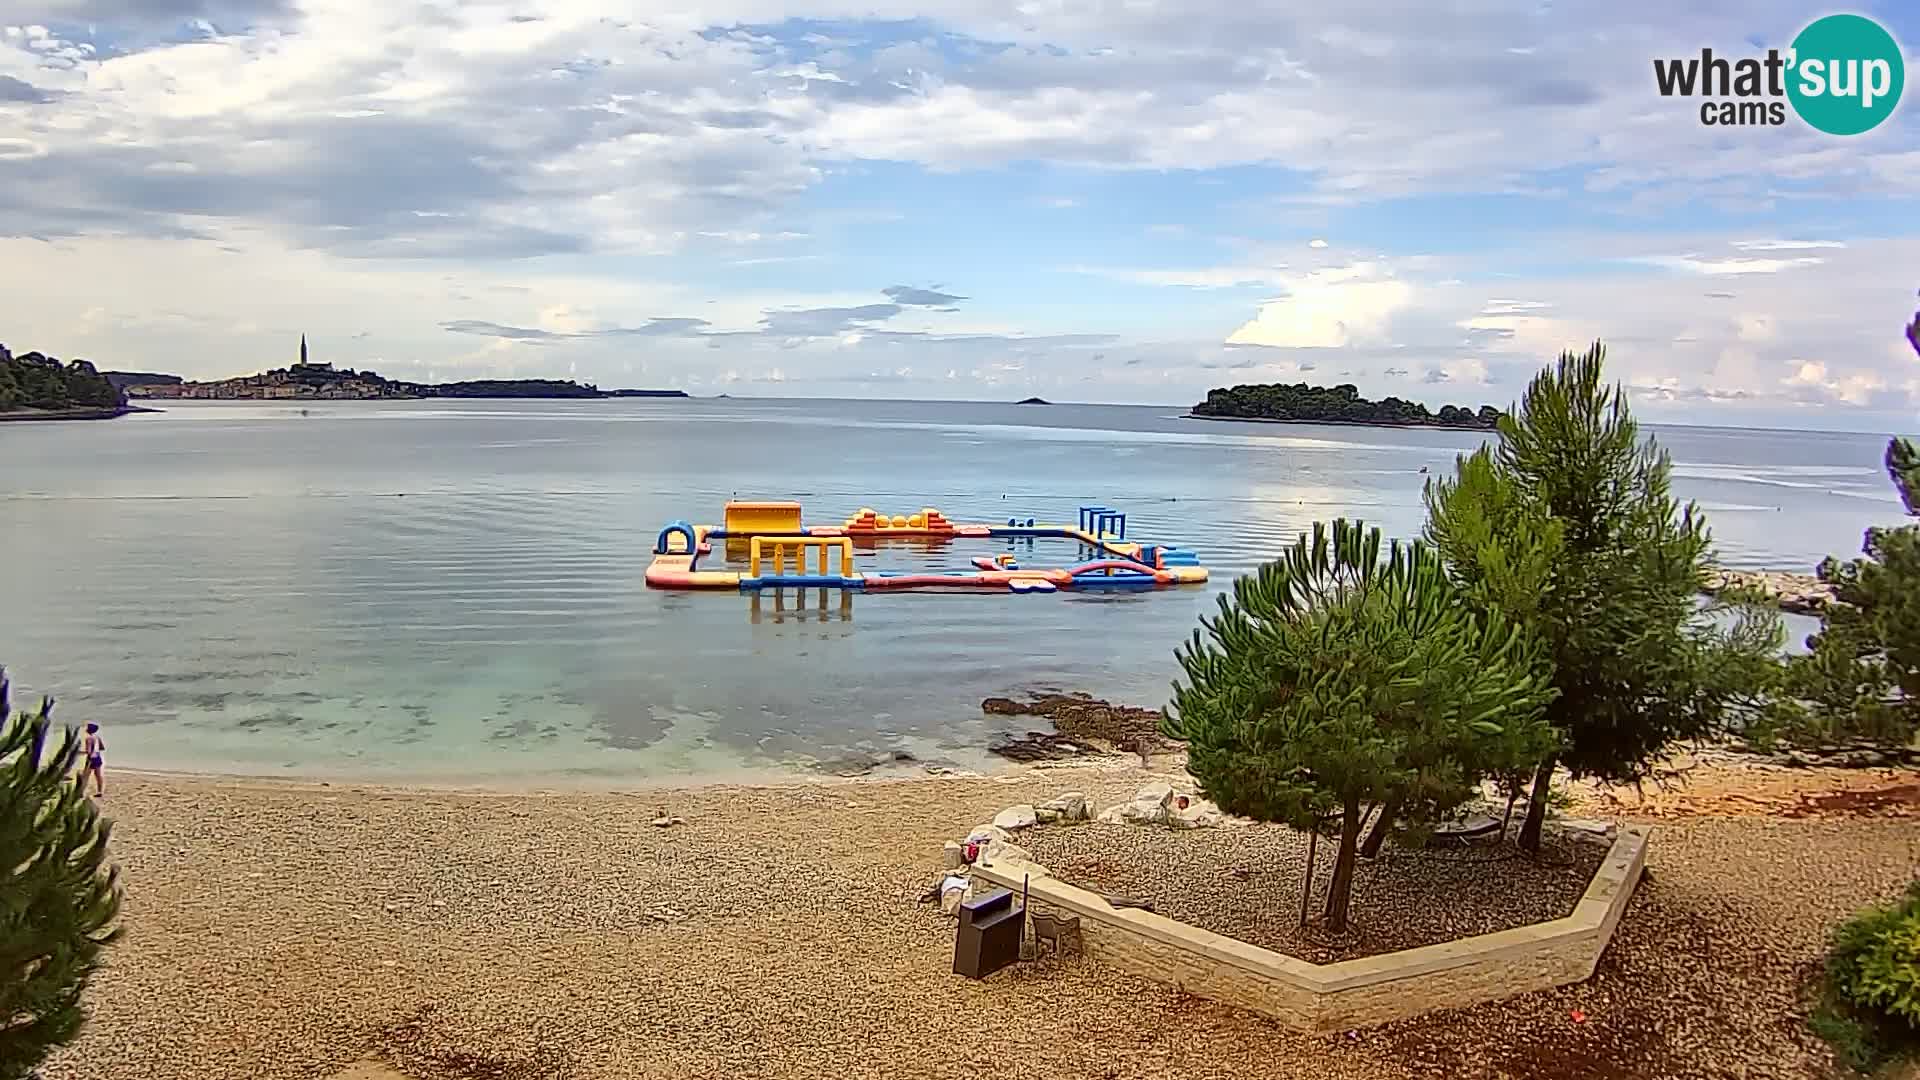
(780, 551)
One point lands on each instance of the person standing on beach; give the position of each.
(93, 750)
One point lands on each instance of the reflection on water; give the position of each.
(829, 605)
(411, 590)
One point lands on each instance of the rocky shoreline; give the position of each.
(1800, 594)
(1082, 725)
(71, 414)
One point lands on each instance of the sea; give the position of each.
(450, 592)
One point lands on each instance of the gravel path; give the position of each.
(280, 932)
(1245, 883)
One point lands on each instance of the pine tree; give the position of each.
(59, 898)
(1903, 461)
(1903, 465)
(1334, 680)
(1571, 528)
(1913, 332)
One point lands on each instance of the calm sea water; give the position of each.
(440, 591)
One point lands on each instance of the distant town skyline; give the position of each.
(1127, 202)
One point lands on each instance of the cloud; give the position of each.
(1697, 265)
(827, 321)
(489, 329)
(788, 327)
(1327, 309)
(408, 130)
(774, 260)
(1499, 307)
(168, 13)
(19, 90)
(908, 296)
(553, 128)
(1814, 382)
(1786, 245)
(652, 328)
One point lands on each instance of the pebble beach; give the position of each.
(327, 932)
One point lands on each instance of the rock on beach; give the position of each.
(1801, 594)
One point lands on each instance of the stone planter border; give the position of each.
(1352, 993)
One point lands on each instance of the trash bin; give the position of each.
(988, 937)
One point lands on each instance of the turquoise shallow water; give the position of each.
(451, 591)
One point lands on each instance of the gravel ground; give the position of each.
(1741, 786)
(1245, 883)
(279, 932)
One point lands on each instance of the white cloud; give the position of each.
(1810, 373)
(1816, 383)
(1697, 265)
(1327, 309)
(1210, 277)
(1786, 245)
(1756, 327)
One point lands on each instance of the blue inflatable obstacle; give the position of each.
(681, 527)
(1100, 520)
(1171, 557)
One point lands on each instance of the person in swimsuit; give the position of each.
(93, 751)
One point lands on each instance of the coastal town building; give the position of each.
(304, 364)
(305, 379)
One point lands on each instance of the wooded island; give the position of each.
(1304, 404)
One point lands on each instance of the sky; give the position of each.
(1088, 200)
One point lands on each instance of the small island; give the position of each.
(1033, 401)
(308, 380)
(1279, 403)
(121, 380)
(34, 386)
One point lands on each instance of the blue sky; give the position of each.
(1115, 200)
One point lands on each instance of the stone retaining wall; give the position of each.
(1351, 993)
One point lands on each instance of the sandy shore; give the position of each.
(302, 931)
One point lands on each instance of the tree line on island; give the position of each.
(1342, 404)
(36, 381)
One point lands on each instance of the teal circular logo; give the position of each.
(1845, 74)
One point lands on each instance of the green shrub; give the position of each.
(1875, 962)
(59, 897)
(1870, 1012)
